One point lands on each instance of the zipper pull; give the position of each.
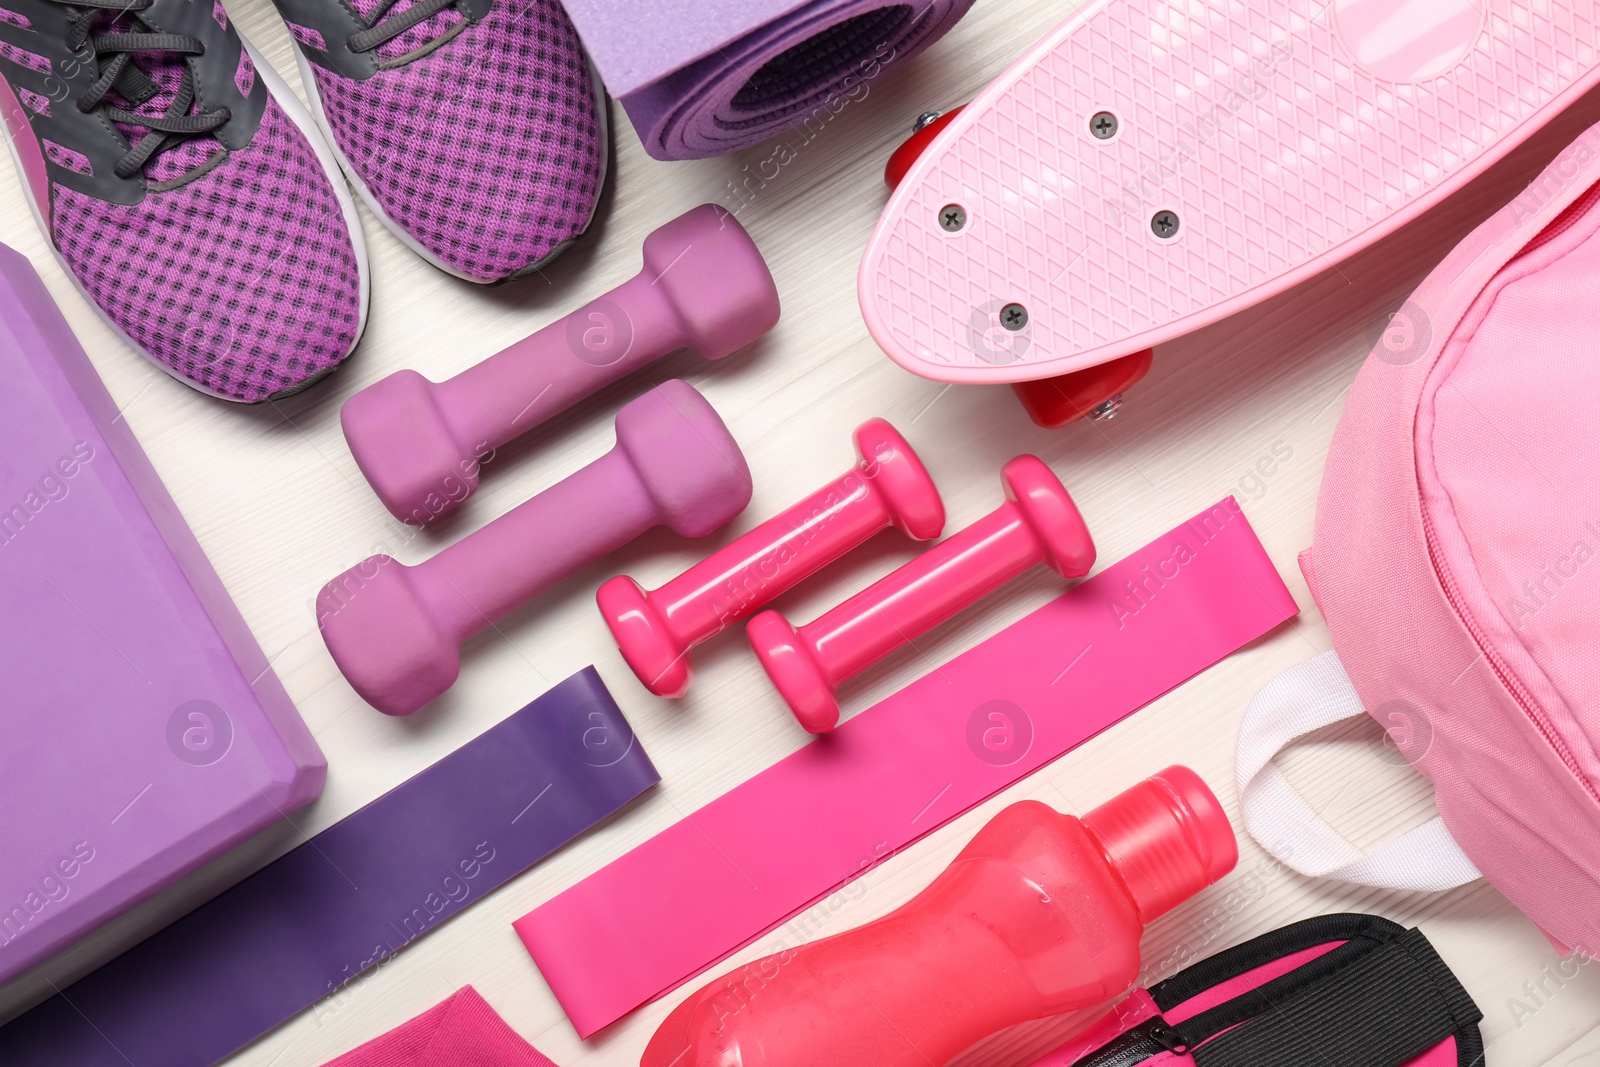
(1165, 1036)
(1136, 1045)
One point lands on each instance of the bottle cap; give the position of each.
(1167, 838)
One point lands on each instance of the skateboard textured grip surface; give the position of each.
(1255, 124)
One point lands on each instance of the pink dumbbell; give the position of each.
(1038, 523)
(395, 630)
(656, 630)
(704, 286)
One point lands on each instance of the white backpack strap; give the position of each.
(1307, 697)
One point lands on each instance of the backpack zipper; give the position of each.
(1530, 706)
(1563, 222)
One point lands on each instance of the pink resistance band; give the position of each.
(712, 883)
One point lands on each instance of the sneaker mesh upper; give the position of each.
(244, 280)
(487, 151)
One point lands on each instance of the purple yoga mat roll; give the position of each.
(142, 731)
(313, 920)
(705, 77)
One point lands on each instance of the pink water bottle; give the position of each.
(1041, 913)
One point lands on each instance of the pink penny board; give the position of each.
(1283, 137)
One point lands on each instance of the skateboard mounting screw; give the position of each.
(1106, 410)
(1164, 224)
(1013, 317)
(1103, 125)
(924, 119)
(952, 217)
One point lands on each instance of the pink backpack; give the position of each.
(1456, 558)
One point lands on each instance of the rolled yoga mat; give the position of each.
(703, 77)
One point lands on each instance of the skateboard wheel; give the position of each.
(1053, 402)
(901, 159)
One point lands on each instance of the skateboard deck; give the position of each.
(1152, 166)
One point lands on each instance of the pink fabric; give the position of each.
(307, 36)
(1236, 987)
(460, 1031)
(1139, 1006)
(1485, 438)
(487, 150)
(65, 157)
(39, 105)
(244, 75)
(24, 57)
(243, 280)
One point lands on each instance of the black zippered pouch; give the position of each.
(1335, 991)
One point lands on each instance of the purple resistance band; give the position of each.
(350, 897)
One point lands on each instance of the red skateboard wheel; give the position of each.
(901, 159)
(1053, 402)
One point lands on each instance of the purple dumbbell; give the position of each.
(395, 630)
(704, 286)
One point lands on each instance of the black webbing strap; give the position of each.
(1366, 931)
(1383, 1008)
(1358, 941)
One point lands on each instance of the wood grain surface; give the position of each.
(1247, 407)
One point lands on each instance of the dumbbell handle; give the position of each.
(887, 487)
(468, 586)
(1038, 523)
(777, 555)
(519, 387)
(908, 602)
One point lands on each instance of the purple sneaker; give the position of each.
(186, 192)
(474, 129)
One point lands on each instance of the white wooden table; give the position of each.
(278, 504)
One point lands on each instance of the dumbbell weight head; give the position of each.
(713, 278)
(914, 504)
(795, 671)
(402, 442)
(685, 459)
(1050, 513)
(644, 637)
(395, 653)
(395, 631)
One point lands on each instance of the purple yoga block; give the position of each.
(143, 731)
